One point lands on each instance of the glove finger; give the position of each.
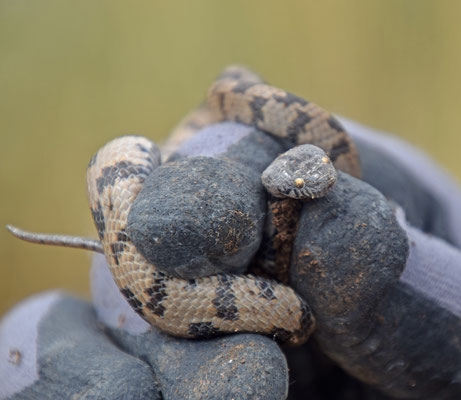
(349, 256)
(235, 366)
(52, 346)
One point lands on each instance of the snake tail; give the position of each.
(76, 242)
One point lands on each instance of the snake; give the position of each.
(224, 303)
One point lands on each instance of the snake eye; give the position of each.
(299, 183)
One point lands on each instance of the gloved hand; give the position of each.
(387, 295)
(390, 321)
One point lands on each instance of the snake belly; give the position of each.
(196, 308)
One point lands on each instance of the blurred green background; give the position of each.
(74, 74)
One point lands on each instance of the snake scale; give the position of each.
(213, 305)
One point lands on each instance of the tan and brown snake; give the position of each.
(207, 306)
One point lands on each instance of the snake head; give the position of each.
(303, 172)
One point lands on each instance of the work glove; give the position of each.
(377, 260)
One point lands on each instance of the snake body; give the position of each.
(197, 308)
(207, 306)
(285, 116)
(240, 95)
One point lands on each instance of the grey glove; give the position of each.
(389, 320)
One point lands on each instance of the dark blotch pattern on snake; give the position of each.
(240, 95)
(284, 115)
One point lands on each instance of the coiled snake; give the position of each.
(218, 304)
